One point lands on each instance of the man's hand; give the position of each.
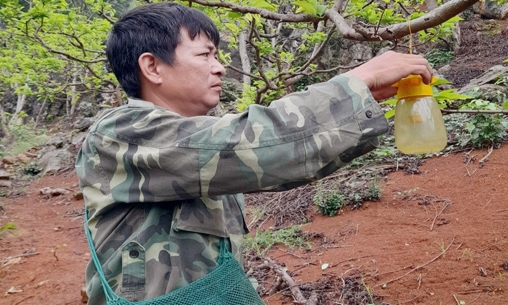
(381, 72)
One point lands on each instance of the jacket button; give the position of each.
(133, 253)
(368, 113)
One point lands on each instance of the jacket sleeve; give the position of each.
(298, 139)
(148, 154)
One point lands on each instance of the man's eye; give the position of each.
(205, 54)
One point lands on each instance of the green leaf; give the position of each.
(234, 15)
(441, 81)
(455, 19)
(262, 4)
(390, 113)
(449, 94)
(315, 37)
(308, 7)
(321, 10)
(505, 105)
(392, 102)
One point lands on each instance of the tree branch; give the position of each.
(474, 111)
(295, 290)
(431, 19)
(358, 32)
(260, 11)
(243, 72)
(67, 55)
(342, 26)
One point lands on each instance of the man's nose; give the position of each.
(218, 68)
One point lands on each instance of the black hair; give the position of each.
(153, 28)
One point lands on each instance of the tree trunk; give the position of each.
(20, 103)
(4, 132)
(244, 56)
(41, 110)
(74, 98)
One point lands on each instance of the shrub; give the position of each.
(329, 204)
(485, 129)
(24, 137)
(32, 169)
(439, 56)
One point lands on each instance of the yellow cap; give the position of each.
(413, 85)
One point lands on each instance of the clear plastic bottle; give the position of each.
(419, 125)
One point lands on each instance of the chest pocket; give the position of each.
(220, 216)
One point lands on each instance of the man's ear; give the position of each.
(149, 68)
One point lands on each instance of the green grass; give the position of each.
(8, 226)
(290, 237)
(24, 137)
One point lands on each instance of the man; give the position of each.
(162, 182)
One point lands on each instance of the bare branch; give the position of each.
(342, 26)
(295, 290)
(358, 32)
(367, 4)
(41, 41)
(380, 18)
(303, 70)
(107, 81)
(267, 86)
(260, 11)
(339, 5)
(67, 55)
(241, 71)
(396, 31)
(431, 19)
(103, 15)
(474, 111)
(79, 45)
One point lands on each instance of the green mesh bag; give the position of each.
(226, 284)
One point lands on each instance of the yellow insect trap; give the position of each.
(419, 125)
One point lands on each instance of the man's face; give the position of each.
(192, 84)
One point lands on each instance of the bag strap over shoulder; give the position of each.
(110, 294)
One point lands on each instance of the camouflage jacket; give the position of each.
(161, 189)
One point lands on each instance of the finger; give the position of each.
(384, 93)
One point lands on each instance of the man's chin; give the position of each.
(214, 110)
